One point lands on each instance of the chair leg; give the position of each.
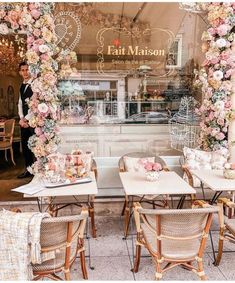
(12, 156)
(220, 249)
(127, 221)
(92, 216)
(6, 155)
(137, 258)
(124, 208)
(158, 274)
(83, 265)
(67, 275)
(201, 272)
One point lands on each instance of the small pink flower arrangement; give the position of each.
(151, 166)
(230, 166)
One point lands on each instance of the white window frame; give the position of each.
(178, 39)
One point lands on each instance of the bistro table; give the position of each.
(87, 190)
(169, 183)
(215, 180)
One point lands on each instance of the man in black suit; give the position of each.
(26, 130)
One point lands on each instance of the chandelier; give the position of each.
(12, 52)
(193, 7)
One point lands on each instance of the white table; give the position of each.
(86, 189)
(215, 180)
(169, 183)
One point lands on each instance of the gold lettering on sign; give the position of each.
(137, 51)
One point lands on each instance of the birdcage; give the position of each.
(184, 125)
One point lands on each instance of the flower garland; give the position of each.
(36, 20)
(215, 76)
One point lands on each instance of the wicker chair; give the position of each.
(64, 237)
(153, 199)
(175, 237)
(61, 202)
(227, 228)
(7, 138)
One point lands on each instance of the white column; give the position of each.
(231, 132)
(121, 98)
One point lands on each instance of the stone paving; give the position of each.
(112, 257)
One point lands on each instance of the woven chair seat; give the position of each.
(230, 223)
(56, 263)
(5, 144)
(170, 249)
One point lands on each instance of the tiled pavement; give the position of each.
(112, 257)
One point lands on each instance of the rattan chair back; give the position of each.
(121, 163)
(174, 236)
(64, 237)
(9, 129)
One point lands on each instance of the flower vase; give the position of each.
(152, 176)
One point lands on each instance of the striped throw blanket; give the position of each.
(19, 244)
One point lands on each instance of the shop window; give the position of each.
(173, 59)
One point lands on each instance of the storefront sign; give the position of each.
(120, 49)
(134, 50)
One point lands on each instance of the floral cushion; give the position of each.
(197, 159)
(133, 164)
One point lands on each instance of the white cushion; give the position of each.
(133, 164)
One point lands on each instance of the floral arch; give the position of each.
(217, 79)
(36, 20)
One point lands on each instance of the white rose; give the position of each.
(218, 75)
(4, 29)
(227, 166)
(43, 108)
(44, 48)
(221, 42)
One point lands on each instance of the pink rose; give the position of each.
(38, 131)
(39, 41)
(157, 167)
(220, 121)
(212, 31)
(223, 29)
(42, 138)
(44, 57)
(2, 14)
(32, 6)
(232, 166)
(211, 116)
(148, 167)
(35, 13)
(228, 73)
(220, 136)
(30, 40)
(37, 32)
